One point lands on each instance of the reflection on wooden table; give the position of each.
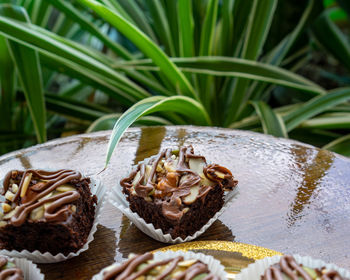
(293, 198)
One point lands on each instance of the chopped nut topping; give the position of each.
(10, 214)
(26, 184)
(9, 196)
(14, 188)
(6, 207)
(65, 188)
(74, 208)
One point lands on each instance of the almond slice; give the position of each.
(26, 184)
(65, 188)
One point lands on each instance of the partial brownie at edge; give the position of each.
(46, 211)
(145, 267)
(177, 191)
(9, 270)
(288, 268)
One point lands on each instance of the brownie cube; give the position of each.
(46, 211)
(177, 191)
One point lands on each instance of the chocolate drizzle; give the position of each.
(41, 185)
(139, 265)
(11, 273)
(289, 267)
(168, 180)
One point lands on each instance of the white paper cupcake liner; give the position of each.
(118, 199)
(30, 270)
(255, 270)
(214, 265)
(98, 189)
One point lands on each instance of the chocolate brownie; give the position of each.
(48, 211)
(9, 270)
(288, 268)
(144, 267)
(177, 191)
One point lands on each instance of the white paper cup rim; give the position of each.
(30, 270)
(255, 270)
(118, 200)
(214, 265)
(98, 189)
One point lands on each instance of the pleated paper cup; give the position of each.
(118, 199)
(255, 270)
(98, 189)
(214, 265)
(30, 270)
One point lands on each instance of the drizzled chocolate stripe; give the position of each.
(126, 271)
(9, 273)
(170, 187)
(29, 202)
(290, 268)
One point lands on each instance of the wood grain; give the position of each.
(293, 198)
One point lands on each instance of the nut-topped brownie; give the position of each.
(145, 267)
(48, 211)
(177, 191)
(9, 270)
(288, 268)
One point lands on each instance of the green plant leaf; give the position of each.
(208, 29)
(95, 79)
(138, 17)
(73, 109)
(233, 67)
(316, 106)
(258, 27)
(145, 45)
(180, 104)
(161, 25)
(39, 40)
(331, 37)
(340, 145)
(28, 67)
(70, 11)
(328, 121)
(272, 123)
(107, 122)
(7, 86)
(186, 28)
(227, 30)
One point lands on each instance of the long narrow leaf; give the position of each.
(161, 25)
(328, 121)
(31, 37)
(316, 106)
(208, 29)
(180, 104)
(186, 28)
(108, 121)
(271, 122)
(233, 67)
(145, 45)
(70, 11)
(258, 27)
(340, 145)
(7, 85)
(29, 73)
(330, 36)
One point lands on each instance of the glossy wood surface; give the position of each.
(292, 198)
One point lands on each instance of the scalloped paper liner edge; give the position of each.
(214, 265)
(97, 189)
(255, 270)
(118, 200)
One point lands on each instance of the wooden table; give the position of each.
(293, 198)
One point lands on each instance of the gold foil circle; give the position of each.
(247, 250)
